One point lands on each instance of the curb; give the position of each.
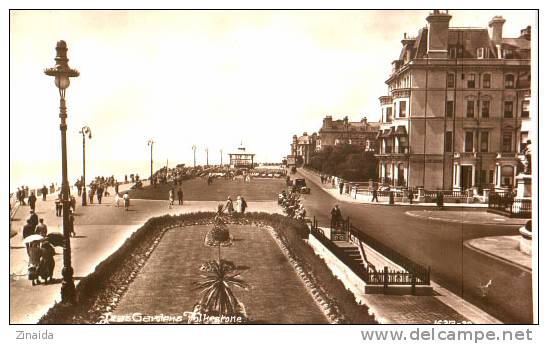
(430, 218)
(469, 245)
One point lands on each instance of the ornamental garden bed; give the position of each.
(268, 248)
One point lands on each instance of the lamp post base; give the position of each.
(68, 290)
(84, 198)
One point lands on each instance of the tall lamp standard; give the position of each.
(151, 144)
(84, 131)
(207, 156)
(221, 157)
(62, 72)
(194, 149)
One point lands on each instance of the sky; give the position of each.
(207, 78)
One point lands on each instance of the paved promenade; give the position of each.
(335, 193)
(101, 229)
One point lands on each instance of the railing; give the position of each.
(414, 274)
(421, 272)
(509, 205)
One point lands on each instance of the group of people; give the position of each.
(239, 206)
(172, 196)
(40, 252)
(291, 202)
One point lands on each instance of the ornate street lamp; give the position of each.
(84, 131)
(151, 144)
(207, 156)
(62, 72)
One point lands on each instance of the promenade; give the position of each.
(100, 230)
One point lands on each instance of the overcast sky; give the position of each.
(209, 78)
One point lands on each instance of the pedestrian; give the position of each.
(91, 193)
(375, 195)
(72, 203)
(180, 195)
(116, 187)
(171, 197)
(341, 186)
(47, 263)
(41, 228)
(71, 224)
(100, 191)
(28, 230)
(126, 201)
(391, 198)
(44, 192)
(243, 205)
(33, 250)
(336, 217)
(117, 200)
(78, 185)
(32, 201)
(33, 218)
(229, 207)
(58, 206)
(410, 196)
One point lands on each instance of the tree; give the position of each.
(349, 162)
(215, 287)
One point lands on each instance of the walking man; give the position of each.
(180, 196)
(341, 185)
(375, 196)
(100, 191)
(32, 201)
(41, 228)
(336, 216)
(44, 192)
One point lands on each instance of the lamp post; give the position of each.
(84, 131)
(62, 72)
(151, 144)
(207, 156)
(221, 157)
(194, 149)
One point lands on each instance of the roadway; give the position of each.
(439, 244)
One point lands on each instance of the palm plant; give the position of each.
(215, 287)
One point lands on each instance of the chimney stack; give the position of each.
(526, 33)
(496, 25)
(438, 33)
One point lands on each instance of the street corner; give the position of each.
(478, 217)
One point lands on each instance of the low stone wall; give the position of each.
(350, 280)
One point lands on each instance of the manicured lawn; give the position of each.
(263, 189)
(165, 284)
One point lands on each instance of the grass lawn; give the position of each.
(264, 189)
(165, 284)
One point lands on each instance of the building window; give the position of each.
(491, 176)
(470, 109)
(479, 53)
(450, 107)
(451, 80)
(389, 114)
(468, 141)
(403, 108)
(484, 141)
(485, 108)
(448, 141)
(523, 138)
(508, 109)
(471, 82)
(509, 81)
(507, 141)
(525, 109)
(453, 52)
(486, 80)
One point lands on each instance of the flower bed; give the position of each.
(99, 292)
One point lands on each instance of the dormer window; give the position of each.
(479, 53)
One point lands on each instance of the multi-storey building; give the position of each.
(457, 111)
(342, 131)
(302, 148)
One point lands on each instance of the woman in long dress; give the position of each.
(47, 263)
(229, 207)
